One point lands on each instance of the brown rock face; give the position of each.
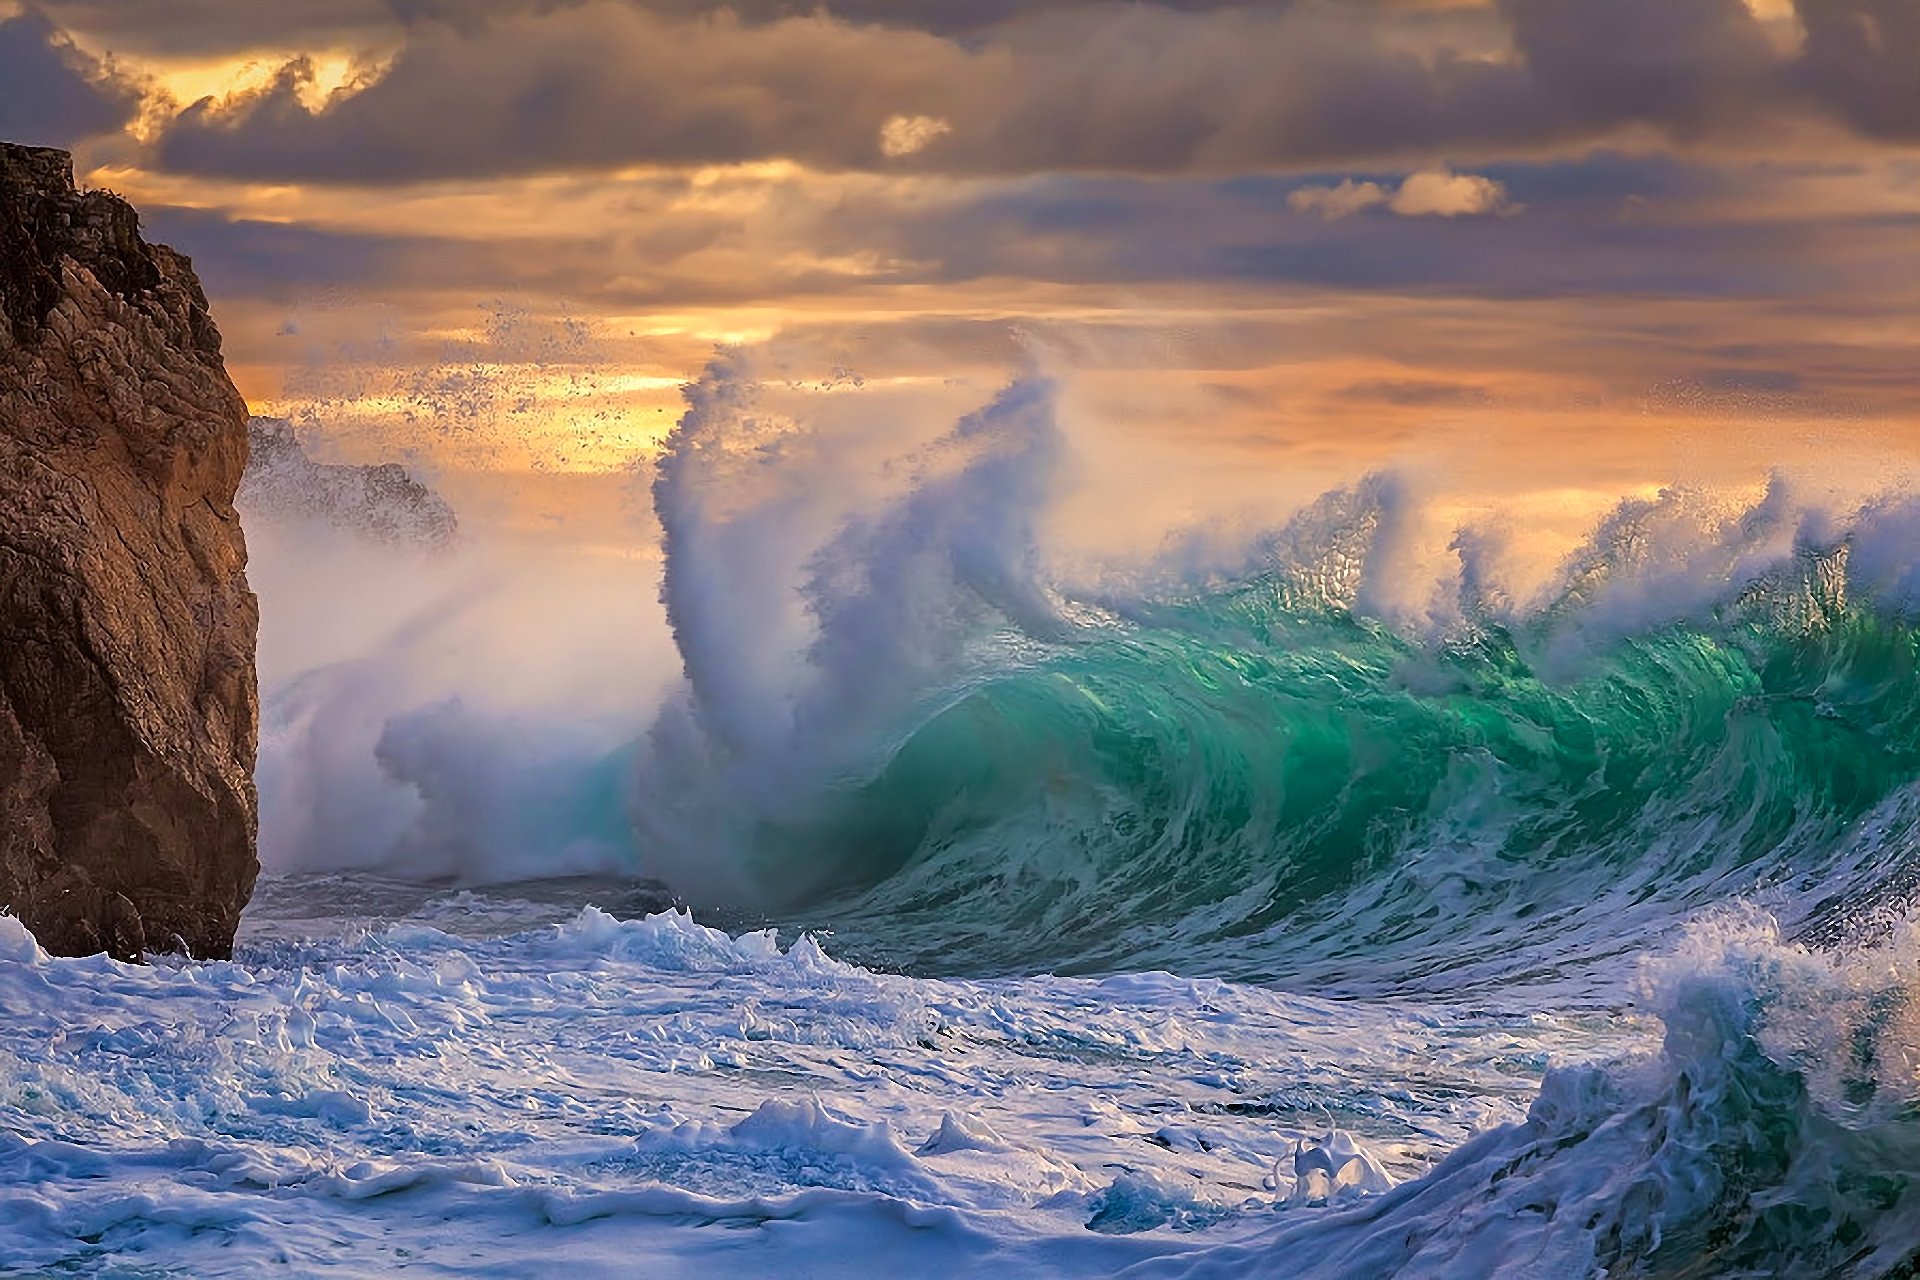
(128, 710)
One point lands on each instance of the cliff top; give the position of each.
(45, 218)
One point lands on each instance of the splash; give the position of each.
(894, 709)
(804, 628)
(904, 724)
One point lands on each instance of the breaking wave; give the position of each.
(1775, 1131)
(898, 726)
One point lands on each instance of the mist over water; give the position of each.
(463, 713)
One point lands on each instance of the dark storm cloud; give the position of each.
(1771, 381)
(1102, 86)
(281, 262)
(593, 87)
(940, 17)
(51, 94)
(238, 26)
(1535, 258)
(215, 27)
(1095, 86)
(1862, 57)
(1614, 176)
(1682, 65)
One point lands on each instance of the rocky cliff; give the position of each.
(128, 712)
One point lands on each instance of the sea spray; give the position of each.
(805, 630)
(891, 709)
(465, 713)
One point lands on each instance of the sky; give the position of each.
(1535, 253)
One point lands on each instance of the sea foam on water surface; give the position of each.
(1774, 1131)
(486, 1106)
(483, 1106)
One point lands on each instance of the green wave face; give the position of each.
(1263, 788)
(1259, 779)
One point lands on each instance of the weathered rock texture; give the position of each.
(380, 502)
(128, 711)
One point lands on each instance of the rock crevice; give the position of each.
(128, 709)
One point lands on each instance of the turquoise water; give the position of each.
(1267, 789)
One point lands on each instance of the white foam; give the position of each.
(605, 1090)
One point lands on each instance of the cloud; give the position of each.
(1417, 393)
(205, 29)
(1862, 59)
(1023, 86)
(792, 241)
(600, 86)
(237, 256)
(904, 135)
(1100, 86)
(52, 94)
(1432, 193)
(790, 245)
(1438, 193)
(217, 27)
(1685, 66)
(1331, 203)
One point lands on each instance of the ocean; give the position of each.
(1237, 922)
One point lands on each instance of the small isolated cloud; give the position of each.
(1348, 198)
(1439, 193)
(904, 135)
(1432, 193)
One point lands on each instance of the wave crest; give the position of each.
(906, 725)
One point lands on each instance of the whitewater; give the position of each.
(1267, 908)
